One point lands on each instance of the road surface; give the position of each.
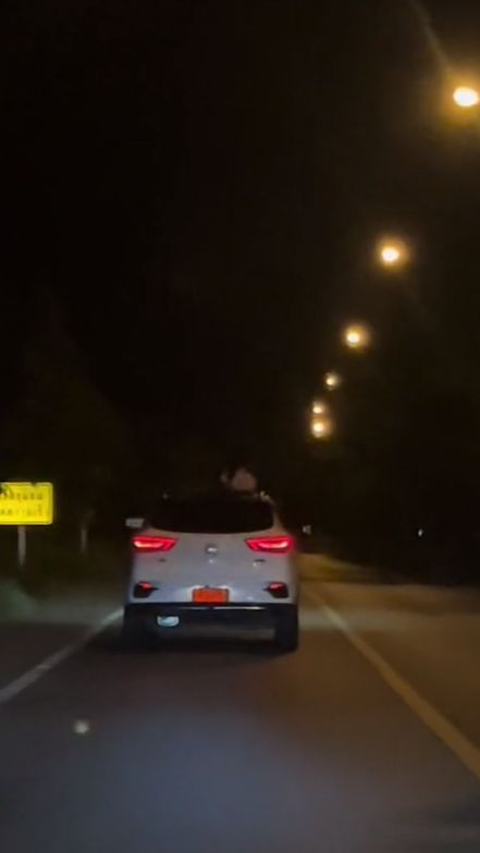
(222, 747)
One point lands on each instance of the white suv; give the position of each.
(222, 559)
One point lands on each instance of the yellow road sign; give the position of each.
(26, 503)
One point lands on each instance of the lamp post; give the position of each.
(356, 336)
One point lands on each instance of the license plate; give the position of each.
(209, 595)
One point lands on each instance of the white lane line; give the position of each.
(45, 666)
(443, 729)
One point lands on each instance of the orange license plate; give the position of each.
(210, 595)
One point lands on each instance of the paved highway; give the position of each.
(230, 748)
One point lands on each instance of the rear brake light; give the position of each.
(147, 544)
(272, 544)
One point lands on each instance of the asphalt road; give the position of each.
(230, 748)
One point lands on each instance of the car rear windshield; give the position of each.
(212, 516)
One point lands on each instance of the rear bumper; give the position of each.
(227, 614)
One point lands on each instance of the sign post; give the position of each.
(22, 545)
(22, 505)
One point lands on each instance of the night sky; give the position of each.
(199, 184)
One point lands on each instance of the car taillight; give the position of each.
(147, 544)
(272, 544)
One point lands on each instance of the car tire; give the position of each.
(286, 630)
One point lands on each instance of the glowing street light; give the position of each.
(392, 253)
(332, 380)
(319, 407)
(321, 428)
(353, 337)
(356, 336)
(466, 97)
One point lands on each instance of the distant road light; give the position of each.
(356, 336)
(321, 428)
(466, 97)
(319, 408)
(392, 253)
(332, 380)
(353, 338)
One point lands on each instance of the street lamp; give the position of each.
(332, 380)
(466, 97)
(392, 253)
(321, 428)
(319, 407)
(356, 336)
